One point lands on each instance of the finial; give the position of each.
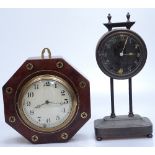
(109, 18)
(128, 17)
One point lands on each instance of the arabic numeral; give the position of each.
(44, 125)
(55, 85)
(36, 86)
(47, 83)
(57, 117)
(63, 92)
(66, 101)
(31, 112)
(123, 37)
(136, 62)
(39, 118)
(28, 103)
(129, 68)
(48, 120)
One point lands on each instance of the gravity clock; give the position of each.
(47, 100)
(121, 54)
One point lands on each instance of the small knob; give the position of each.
(128, 17)
(109, 18)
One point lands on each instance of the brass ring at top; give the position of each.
(43, 51)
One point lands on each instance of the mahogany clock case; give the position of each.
(35, 67)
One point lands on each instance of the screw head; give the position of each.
(84, 115)
(59, 64)
(9, 90)
(82, 84)
(64, 135)
(34, 138)
(29, 66)
(12, 119)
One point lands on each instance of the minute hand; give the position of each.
(122, 53)
(46, 102)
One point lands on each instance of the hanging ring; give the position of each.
(43, 51)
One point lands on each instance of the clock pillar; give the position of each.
(130, 98)
(112, 98)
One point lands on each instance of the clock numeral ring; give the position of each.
(29, 66)
(9, 90)
(12, 119)
(64, 135)
(34, 138)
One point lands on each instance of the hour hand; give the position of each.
(46, 102)
(38, 106)
(130, 54)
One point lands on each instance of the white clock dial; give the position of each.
(47, 102)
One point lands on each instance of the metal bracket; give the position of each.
(128, 24)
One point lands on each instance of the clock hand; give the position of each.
(61, 103)
(129, 54)
(122, 53)
(46, 102)
(40, 105)
(57, 103)
(53, 102)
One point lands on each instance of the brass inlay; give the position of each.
(43, 51)
(34, 138)
(64, 135)
(82, 84)
(12, 119)
(84, 115)
(9, 90)
(120, 71)
(47, 77)
(59, 64)
(29, 66)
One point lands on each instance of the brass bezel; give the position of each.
(65, 84)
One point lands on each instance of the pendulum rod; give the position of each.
(130, 99)
(112, 98)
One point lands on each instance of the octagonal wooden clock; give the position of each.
(46, 100)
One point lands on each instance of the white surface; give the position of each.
(73, 34)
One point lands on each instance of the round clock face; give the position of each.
(121, 54)
(47, 103)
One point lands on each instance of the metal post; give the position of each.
(112, 98)
(130, 99)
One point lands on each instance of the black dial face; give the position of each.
(121, 54)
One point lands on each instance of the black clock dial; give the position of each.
(121, 54)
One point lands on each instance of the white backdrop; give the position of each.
(73, 34)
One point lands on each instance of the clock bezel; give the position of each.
(47, 77)
(126, 32)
